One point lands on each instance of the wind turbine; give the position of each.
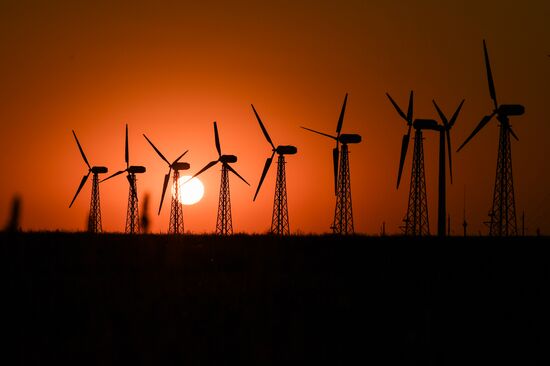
(416, 219)
(132, 213)
(224, 224)
(503, 213)
(279, 220)
(176, 209)
(343, 213)
(94, 219)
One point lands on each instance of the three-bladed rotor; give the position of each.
(344, 139)
(130, 169)
(175, 165)
(406, 138)
(502, 111)
(447, 125)
(224, 159)
(280, 150)
(94, 169)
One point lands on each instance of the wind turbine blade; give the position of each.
(113, 175)
(512, 132)
(441, 114)
(404, 148)
(235, 172)
(341, 118)
(266, 168)
(449, 150)
(81, 151)
(132, 186)
(455, 115)
(126, 152)
(481, 124)
(157, 150)
(82, 182)
(320, 133)
(410, 109)
(490, 76)
(217, 139)
(164, 185)
(208, 166)
(397, 108)
(335, 156)
(179, 157)
(263, 128)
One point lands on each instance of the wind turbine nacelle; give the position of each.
(511, 109)
(347, 138)
(426, 124)
(99, 169)
(136, 169)
(181, 166)
(286, 150)
(228, 159)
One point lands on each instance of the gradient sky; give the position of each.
(171, 68)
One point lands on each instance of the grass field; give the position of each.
(150, 299)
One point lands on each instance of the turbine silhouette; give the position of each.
(343, 213)
(132, 213)
(224, 222)
(416, 219)
(280, 224)
(503, 213)
(94, 218)
(176, 225)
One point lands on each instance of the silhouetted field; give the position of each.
(150, 299)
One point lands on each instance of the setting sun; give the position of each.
(190, 192)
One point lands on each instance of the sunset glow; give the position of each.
(191, 192)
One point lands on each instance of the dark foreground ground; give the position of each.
(199, 300)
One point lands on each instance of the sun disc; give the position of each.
(189, 193)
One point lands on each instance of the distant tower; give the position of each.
(279, 220)
(343, 212)
(503, 212)
(224, 223)
(94, 218)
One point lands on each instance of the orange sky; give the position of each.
(169, 70)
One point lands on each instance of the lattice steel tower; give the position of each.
(416, 220)
(280, 224)
(224, 224)
(176, 208)
(132, 213)
(279, 219)
(94, 218)
(503, 213)
(343, 213)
